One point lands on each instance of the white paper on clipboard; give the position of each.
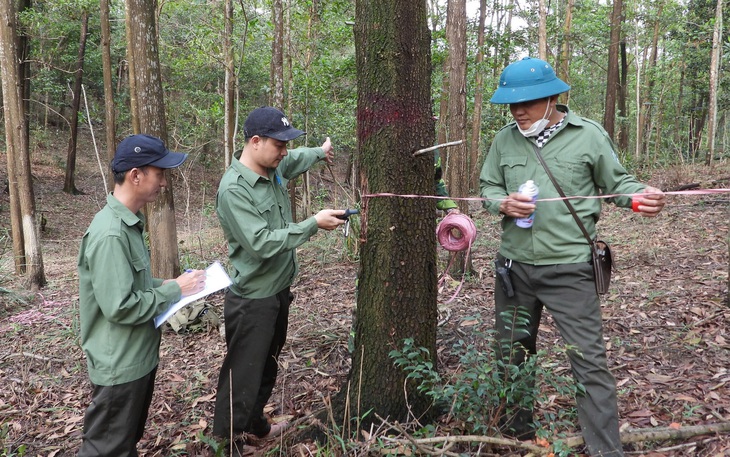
(216, 279)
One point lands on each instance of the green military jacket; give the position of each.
(581, 157)
(255, 214)
(118, 298)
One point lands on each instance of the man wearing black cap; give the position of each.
(254, 210)
(118, 299)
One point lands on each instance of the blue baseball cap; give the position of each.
(141, 150)
(271, 123)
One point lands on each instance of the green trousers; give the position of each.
(114, 421)
(568, 292)
(255, 333)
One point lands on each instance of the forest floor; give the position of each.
(667, 321)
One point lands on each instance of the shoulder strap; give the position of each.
(562, 194)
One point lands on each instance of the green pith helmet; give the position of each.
(525, 80)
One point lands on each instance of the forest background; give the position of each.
(654, 72)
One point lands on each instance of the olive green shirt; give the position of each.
(581, 157)
(255, 214)
(118, 298)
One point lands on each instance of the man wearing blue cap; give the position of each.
(118, 299)
(549, 264)
(254, 210)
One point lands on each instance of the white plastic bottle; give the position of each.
(530, 189)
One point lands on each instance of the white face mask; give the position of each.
(538, 126)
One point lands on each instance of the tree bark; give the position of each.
(542, 30)
(455, 159)
(277, 55)
(612, 79)
(397, 280)
(229, 96)
(566, 45)
(714, 70)
(476, 121)
(24, 229)
(151, 111)
(109, 105)
(622, 98)
(69, 186)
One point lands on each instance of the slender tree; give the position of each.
(110, 127)
(476, 121)
(612, 80)
(69, 185)
(566, 44)
(24, 229)
(542, 30)
(397, 280)
(277, 55)
(455, 158)
(143, 48)
(230, 86)
(714, 70)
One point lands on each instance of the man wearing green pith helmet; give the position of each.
(549, 264)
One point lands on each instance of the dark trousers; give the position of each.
(255, 333)
(115, 419)
(568, 292)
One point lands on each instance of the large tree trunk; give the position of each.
(24, 230)
(612, 81)
(109, 106)
(397, 281)
(151, 112)
(69, 186)
(476, 120)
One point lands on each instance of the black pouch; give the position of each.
(602, 265)
(502, 274)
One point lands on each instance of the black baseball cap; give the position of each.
(141, 150)
(271, 123)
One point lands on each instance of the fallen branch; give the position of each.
(661, 433)
(427, 445)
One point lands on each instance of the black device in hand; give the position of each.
(348, 213)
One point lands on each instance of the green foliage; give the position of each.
(487, 387)
(9, 451)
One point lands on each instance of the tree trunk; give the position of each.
(229, 104)
(542, 30)
(622, 98)
(151, 111)
(24, 230)
(647, 105)
(714, 70)
(454, 159)
(69, 186)
(397, 280)
(109, 105)
(476, 120)
(566, 45)
(133, 105)
(612, 81)
(277, 55)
